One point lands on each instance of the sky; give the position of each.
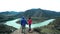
(23, 5)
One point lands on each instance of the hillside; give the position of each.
(6, 16)
(37, 14)
(41, 13)
(5, 29)
(52, 28)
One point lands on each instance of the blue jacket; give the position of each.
(23, 21)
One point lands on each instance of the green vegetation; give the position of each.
(38, 20)
(52, 28)
(38, 15)
(6, 29)
(4, 18)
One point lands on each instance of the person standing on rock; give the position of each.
(29, 23)
(23, 24)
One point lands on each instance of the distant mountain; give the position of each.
(9, 13)
(19, 15)
(41, 13)
(5, 16)
(35, 13)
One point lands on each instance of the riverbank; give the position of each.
(52, 28)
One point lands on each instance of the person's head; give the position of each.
(23, 17)
(29, 17)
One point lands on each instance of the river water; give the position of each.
(14, 24)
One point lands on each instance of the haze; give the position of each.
(22, 5)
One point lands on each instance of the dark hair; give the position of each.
(29, 17)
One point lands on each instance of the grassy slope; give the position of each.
(49, 29)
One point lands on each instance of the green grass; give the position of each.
(49, 29)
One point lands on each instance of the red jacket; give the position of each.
(29, 21)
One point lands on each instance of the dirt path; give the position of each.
(19, 32)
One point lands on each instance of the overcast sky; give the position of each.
(22, 5)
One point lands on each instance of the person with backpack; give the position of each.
(23, 24)
(29, 23)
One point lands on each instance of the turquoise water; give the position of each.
(14, 24)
